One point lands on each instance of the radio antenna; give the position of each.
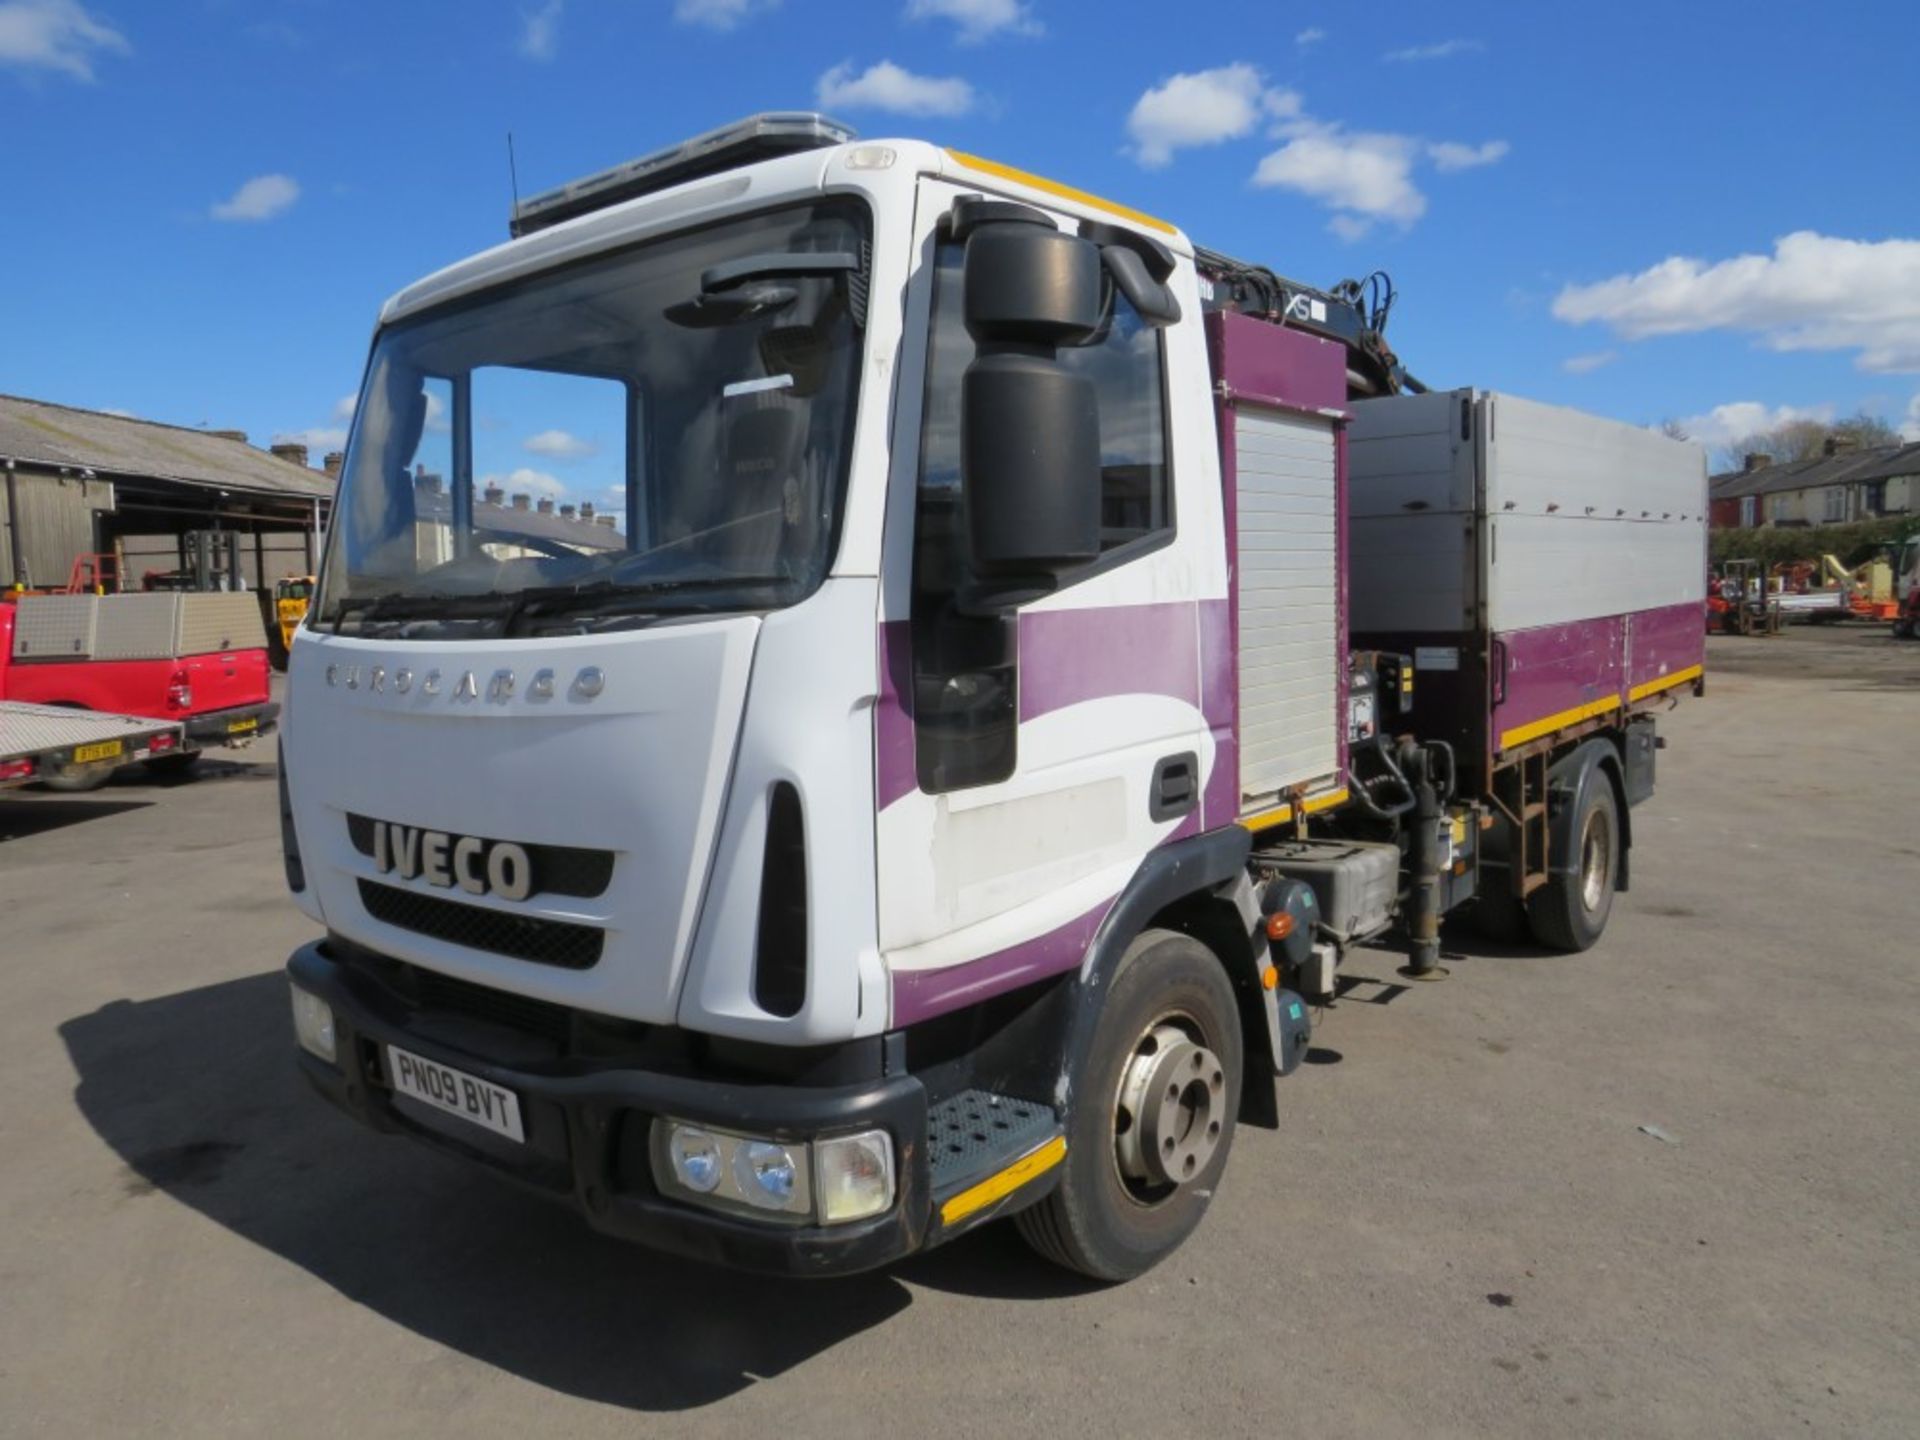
(513, 175)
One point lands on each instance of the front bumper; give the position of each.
(231, 727)
(587, 1124)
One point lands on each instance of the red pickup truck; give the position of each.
(199, 660)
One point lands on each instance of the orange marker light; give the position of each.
(1269, 978)
(1280, 926)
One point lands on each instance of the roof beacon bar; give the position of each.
(744, 142)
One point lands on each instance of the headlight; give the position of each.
(313, 1024)
(853, 1175)
(847, 1177)
(696, 1159)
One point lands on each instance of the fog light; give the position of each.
(853, 1175)
(313, 1024)
(765, 1173)
(696, 1159)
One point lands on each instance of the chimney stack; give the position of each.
(239, 435)
(545, 507)
(566, 512)
(1834, 444)
(425, 482)
(523, 501)
(607, 520)
(586, 509)
(1756, 462)
(335, 459)
(292, 452)
(493, 494)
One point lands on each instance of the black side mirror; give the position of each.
(1029, 429)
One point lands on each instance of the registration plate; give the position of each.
(104, 750)
(455, 1092)
(235, 727)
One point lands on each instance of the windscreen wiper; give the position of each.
(607, 598)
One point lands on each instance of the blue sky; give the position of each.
(1644, 210)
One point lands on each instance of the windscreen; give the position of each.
(654, 432)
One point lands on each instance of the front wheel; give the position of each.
(1153, 1114)
(1570, 911)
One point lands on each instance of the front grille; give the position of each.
(524, 937)
(557, 869)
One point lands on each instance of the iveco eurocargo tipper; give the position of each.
(1006, 657)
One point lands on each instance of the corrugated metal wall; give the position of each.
(56, 524)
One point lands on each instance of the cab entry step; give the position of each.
(982, 1146)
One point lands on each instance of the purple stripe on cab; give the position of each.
(1220, 802)
(1067, 656)
(922, 994)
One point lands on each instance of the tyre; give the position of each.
(174, 767)
(1153, 1114)
(79, 784)
(1570, 912)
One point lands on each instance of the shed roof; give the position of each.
(115, 445)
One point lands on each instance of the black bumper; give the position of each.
(217, 727)
(587, 1128)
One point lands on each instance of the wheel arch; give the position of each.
(1196, 887)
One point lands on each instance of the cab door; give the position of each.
(1029, 761)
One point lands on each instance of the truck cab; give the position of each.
(811, 811)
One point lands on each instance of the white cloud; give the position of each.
(1724, 424)
(319, 439)
(261, 198)
(1815, 292)
(1451, 155)
(1444, 50)
(344, 407)
(540, 31)
(526, 481)
(1363, 176)
(1587, 364)
(718, 14)
(1312, 35)
(886, 86)
(56, 35)
(1204, 108)
(1910, 423)
(559, 445)
(1367, 176)
(978, 19)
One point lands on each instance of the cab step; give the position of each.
(983, 1146)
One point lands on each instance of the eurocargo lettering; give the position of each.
(1016, 657)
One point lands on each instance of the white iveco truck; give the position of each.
(964, 668)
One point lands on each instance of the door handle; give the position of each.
(1176, 787)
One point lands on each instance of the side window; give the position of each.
(1125, 363)
(965, 677)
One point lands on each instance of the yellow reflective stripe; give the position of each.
(1666, 682)
(1052, 187)
(1280, 814)
(997, 1187)
(1524, 733)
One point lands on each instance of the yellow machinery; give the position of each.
(290, 600)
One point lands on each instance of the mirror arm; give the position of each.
(1151, 297)
(795, 266)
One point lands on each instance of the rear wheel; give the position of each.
(80, 784)
(1570, 911)
(1153, 1115)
